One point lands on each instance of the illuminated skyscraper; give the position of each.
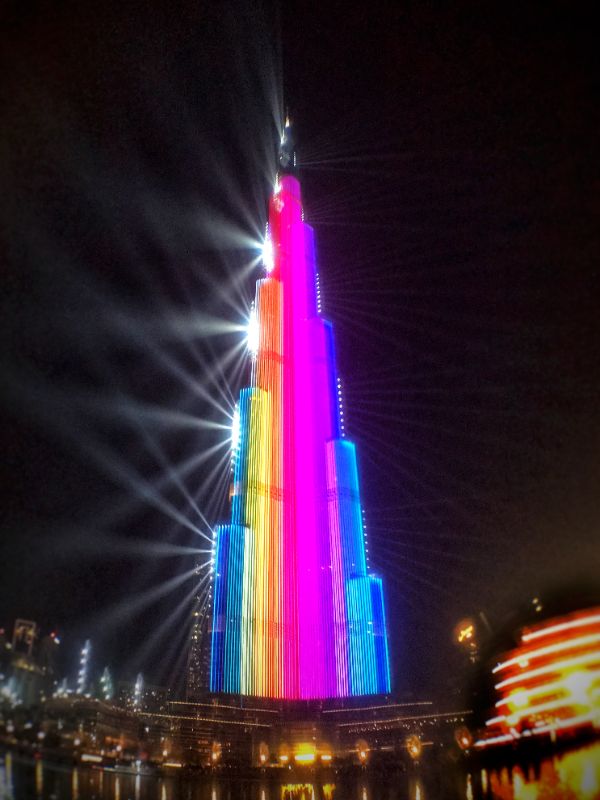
(198, 666)
(296, 614)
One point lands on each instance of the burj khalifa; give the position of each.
(297, 614)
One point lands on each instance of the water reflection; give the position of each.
(298, 791)
(574, 775)
(469, 789)
(484, 781)
(39, 778)
(6, 783)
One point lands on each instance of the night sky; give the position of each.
(450, 168)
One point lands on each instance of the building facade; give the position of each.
(297, 614)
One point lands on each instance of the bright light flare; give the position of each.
(268, 254)
(414, 746)
(465, 633)
(252, 333)
(235, 430)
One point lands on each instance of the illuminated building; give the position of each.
(25, 634)
(296, 612)
(141, 696)
(84, 668)
(198, 666)
(550, 684)
(106, 684)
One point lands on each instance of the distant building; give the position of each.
(24, 635)
(5, 652)
(147, 697)
(21, 667)
(46, 658)
(198, 667)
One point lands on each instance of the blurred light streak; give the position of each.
(561, 694)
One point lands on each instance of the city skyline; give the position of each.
(446, 169)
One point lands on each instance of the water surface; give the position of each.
(571, 776)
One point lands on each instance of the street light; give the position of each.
(414, 747)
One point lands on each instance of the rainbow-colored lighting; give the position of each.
(296, 613)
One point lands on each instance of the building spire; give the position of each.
(287, 154)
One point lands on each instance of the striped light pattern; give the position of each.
(551, 682)
(296, 613)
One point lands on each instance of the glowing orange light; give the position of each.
(362, 749)
(563, 626)
(216, 751)
(414, 746)
(465, 633)
(463, 738)
(304, 758)
(560, 691)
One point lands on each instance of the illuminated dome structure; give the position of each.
(296, 613)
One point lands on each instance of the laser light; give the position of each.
(235, 430)
(252, 333)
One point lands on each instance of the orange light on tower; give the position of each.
(550, 684)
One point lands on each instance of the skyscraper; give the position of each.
(198, 667)
(296, 614)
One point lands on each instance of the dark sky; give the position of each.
(451, 173)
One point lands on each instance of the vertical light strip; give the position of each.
(218, 622)
(295, 612)
(311, 656)
(236, 537)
